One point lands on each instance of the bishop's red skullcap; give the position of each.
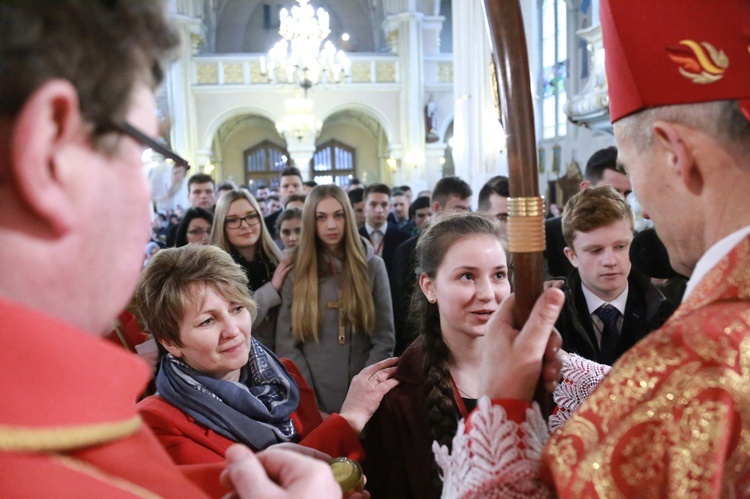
(663, 52)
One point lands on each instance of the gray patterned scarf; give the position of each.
(256, 411)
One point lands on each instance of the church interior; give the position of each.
(393, 91)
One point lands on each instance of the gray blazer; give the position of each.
(327, 365)
(264, 325)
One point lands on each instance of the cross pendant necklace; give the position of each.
(337, 305)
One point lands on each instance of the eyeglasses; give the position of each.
(143, 139)
(198, 232)
(236, 222)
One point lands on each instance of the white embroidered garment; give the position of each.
(499, 458)
(580, 379)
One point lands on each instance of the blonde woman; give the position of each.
(336, 315)
(239, 230)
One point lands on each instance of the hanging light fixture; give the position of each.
(299, 120)
(298, 58)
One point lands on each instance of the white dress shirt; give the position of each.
(594, 302)
(377, 239)
(711, 257)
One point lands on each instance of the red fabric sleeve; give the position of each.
(333, 436)
(336, 438)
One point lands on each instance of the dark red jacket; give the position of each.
(189, 442)
(400, 462)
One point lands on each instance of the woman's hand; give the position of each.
(280, 274)
(366, 391)
(514, 360)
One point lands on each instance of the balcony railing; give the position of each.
(244, 69)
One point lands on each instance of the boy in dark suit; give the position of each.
(385, 237)
(609, 305)
(602, 168)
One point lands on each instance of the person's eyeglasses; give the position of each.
(236, 222)
(143, 139)
(199, 232)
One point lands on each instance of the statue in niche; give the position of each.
(430, 120)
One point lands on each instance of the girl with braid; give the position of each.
(462, 272)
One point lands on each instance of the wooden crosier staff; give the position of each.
(525, 205)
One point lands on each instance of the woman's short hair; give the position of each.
(167, 287)
(101, 48)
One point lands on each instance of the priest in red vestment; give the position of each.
(77, 111)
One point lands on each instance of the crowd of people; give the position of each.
(271, 337)
(360, 321)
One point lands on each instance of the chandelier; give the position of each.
(298, 58)
(299, 120)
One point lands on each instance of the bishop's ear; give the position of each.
(672, 146)
(45, 137)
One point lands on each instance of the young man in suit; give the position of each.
(609, 305)
(493, 198)
(601, 169)
(385, 237)
(357, 200)
(399, 216)
(290, 183)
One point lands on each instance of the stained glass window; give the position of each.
(264, 163)
(554, 68)
(333, 162)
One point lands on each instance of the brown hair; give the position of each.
(309, 263)
(102, 47)
(431, 249)
(166, 287)
(450, 186)
(593, 208)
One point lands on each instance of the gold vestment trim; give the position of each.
(48, 439)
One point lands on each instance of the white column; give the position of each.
(301, 151)
(178, 84)
(433, 165)
(406, 28)
(477, 138)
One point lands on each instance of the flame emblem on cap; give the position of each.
(699, 62)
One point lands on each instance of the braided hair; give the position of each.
(434, 243)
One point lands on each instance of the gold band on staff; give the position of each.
(526, 224)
